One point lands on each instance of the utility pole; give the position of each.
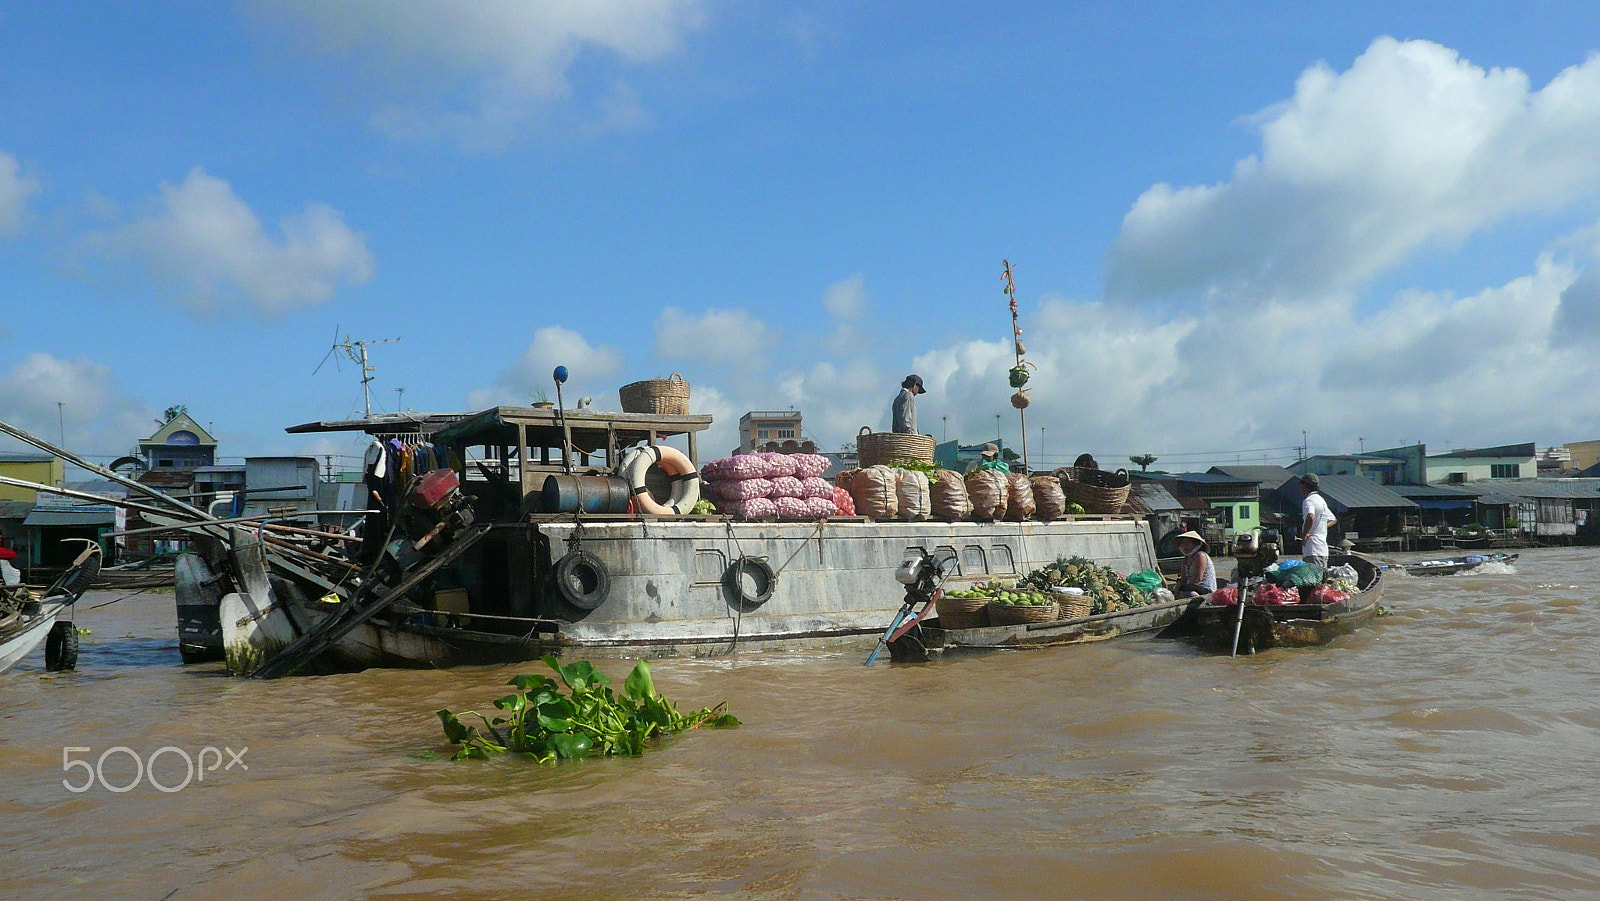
(946, 421)
(357, 352)
(61, 421)
(400, 405)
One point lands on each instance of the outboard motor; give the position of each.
(1256, 550)
(435, 508)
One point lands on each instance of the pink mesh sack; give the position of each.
(787, 486)
(810, 466)
(778, 464)
(790, 508)
(755, 508)
(843, 501)
(816, 487)
(743, 489)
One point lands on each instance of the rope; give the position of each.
(110, 602)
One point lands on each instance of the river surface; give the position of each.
(1452, 750)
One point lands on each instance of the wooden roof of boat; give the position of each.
(498, 425)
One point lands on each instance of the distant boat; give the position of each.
(1284, 625)
(1452, 565)
(26, 621)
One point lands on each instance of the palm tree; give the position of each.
(1143, 461)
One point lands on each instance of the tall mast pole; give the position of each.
(1016, 344)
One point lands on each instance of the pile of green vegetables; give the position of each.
(590, 720)
(1109, 591)
(1005, 594)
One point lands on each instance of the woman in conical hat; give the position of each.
(1199, 574)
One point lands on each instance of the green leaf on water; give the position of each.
(639, 685)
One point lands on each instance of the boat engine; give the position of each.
(435, 508)
(1256, 550)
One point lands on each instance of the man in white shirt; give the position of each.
(1317, 519)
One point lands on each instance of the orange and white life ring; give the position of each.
(685, 479)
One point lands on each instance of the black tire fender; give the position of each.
(582, 580)
(61, 648)
(759, 572)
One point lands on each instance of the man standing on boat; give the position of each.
(1316, 520)
(905, 405)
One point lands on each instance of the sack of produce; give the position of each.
(1301, 574)
(844, 502)
(790, 507)
(1019, 497)
(1050, 502)
(739, 466)
(819, 507)
(846, 478)
(753, 509)
(1147, 580)
(1267, 594)
(874, 491)
(916, 501)
(949, 496)
(787, 486)
(778, 464)
(741, 489)
(810, 466)
(987, 491)
(816, 487)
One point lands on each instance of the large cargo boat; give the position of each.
(541, 555)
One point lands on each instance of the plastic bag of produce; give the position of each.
(1019, 497)
(816, 487)
(987, 491)
(949, 496)
(787, 486)
(874, 491)
(810, 466)
(842, 500)
(1343, 571)
(1306, 574)
(1048, 498)
(1146, 581)
(755, 508)
(741, 489)
(778, 464)
(1328, 594)
(916, 501)
(1225, 597)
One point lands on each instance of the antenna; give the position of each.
(357, 352)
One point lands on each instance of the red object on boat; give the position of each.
(7, 554)
(434, 487)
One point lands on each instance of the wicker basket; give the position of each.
(668, 396)
(890, 448)
(962, 613)
(1014, 615)
(1096, 490)
(1077, 607)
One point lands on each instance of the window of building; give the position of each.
(1505, 470)
(1244, 511)
(786, 433)
(762, 433)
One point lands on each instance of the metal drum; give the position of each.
(591, 494)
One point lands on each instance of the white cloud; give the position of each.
(478, 71)
(725, 337)
(207, 244)
(846, 298)
(94, 416)
(592, 372)
(1411, 148)
(16, 189)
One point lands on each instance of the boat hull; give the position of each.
(930, 641)
(32, 633)
(1289, 625)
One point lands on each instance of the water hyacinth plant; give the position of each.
(590, 720)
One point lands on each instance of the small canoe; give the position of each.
(1284, 625)
(930, 640)
(1452, 565)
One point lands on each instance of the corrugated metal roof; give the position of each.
(1155, 497)
(15, 509)
(24, 457)
(1359, 493)
(1447, 492)
(1537, 488)
(1271, 477)
(1503, 450)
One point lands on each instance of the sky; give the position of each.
(1235, 228)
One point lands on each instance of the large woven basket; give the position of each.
(962, 613)
(1096, 490)
(668, 396)
(1013, 615)
(890, 448)
(1076, 606)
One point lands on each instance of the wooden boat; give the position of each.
(1452, 565)
(931, 641)
(1284, 625)
(26, 621)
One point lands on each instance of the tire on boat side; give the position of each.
(61, 648)
(582, 580)
(761, 577)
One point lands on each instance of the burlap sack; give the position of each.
(987, 490)
(916, 501)
(1047, 497)
(950, 501)
(874, 490)
(1019, 497)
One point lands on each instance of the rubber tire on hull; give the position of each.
(582, 580)
(61, 648)
(766, 581)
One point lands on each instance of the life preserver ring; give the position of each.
(685, 479)
(582, 580)
(761, 577)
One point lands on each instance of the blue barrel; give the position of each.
(591, 494)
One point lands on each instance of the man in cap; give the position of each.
(905, 405)
(990, 459)
(1317, 519)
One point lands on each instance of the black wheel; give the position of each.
(750, 582)
(61, 648)
(582, 580)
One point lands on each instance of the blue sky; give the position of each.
(1229, 223)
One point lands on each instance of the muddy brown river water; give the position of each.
(1450, 751)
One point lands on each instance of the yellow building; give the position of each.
(1584, 453)
(42, 469)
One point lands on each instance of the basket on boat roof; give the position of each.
(1016, 614)
(1096, 490)
(669, 396)
(890, 448)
